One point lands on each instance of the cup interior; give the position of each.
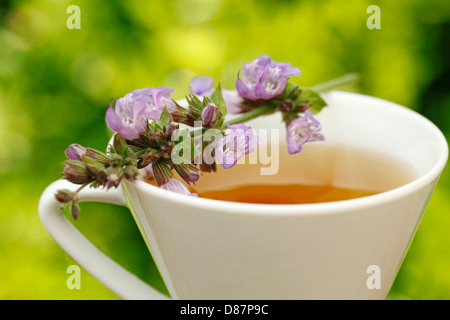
(380, 126)
(365, 139)
(407, 146)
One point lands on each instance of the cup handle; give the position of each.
(123, 283)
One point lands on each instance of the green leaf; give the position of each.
(218, 100)
(139, 152)
(291, 91)
(312, 100)
(151, 125)
(165, 119)
(194, 102)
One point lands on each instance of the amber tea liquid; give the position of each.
(320, 173)
(285, 194)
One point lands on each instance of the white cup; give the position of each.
(210, 249)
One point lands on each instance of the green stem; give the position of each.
(250, 115)
(81, 188)
(338, 82)
(322, 87)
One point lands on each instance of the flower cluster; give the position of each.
(264, 79)
(87, 166)
(156, 135)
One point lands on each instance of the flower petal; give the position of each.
(301, 130)
(286, 69)
(263, 60)
(201, 85)
(112, 119)
(243, 90)
(157, 98)
(232, 101)
(115, 123)
(235, 144)
(178, 187)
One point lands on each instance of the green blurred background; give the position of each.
(56, 84)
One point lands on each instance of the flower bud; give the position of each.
(180, 114)
(169, 129)
(193, 115)
(120, 145)
(66, 196)
(102, 177)
(115, 176)
(156, 138)
(149, 157)
(161, 172)
(286, 105)
(75, 151)
(210, 116)
(130, 172)
(188, 172)
(92, 166)
(295, 93)
(75, 172)
(115, 160)
(75, 210)
(188, 115)
(96, 155)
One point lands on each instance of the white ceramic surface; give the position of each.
(209, 249)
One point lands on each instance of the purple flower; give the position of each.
(264, 78)
(177, 186)
(129, 118)
(155, 99)
(301, 130)
(234, 145)
(232, 101)
(152, 99)
(75, 151)
(203, 86)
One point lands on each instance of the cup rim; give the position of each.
(323, 208)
